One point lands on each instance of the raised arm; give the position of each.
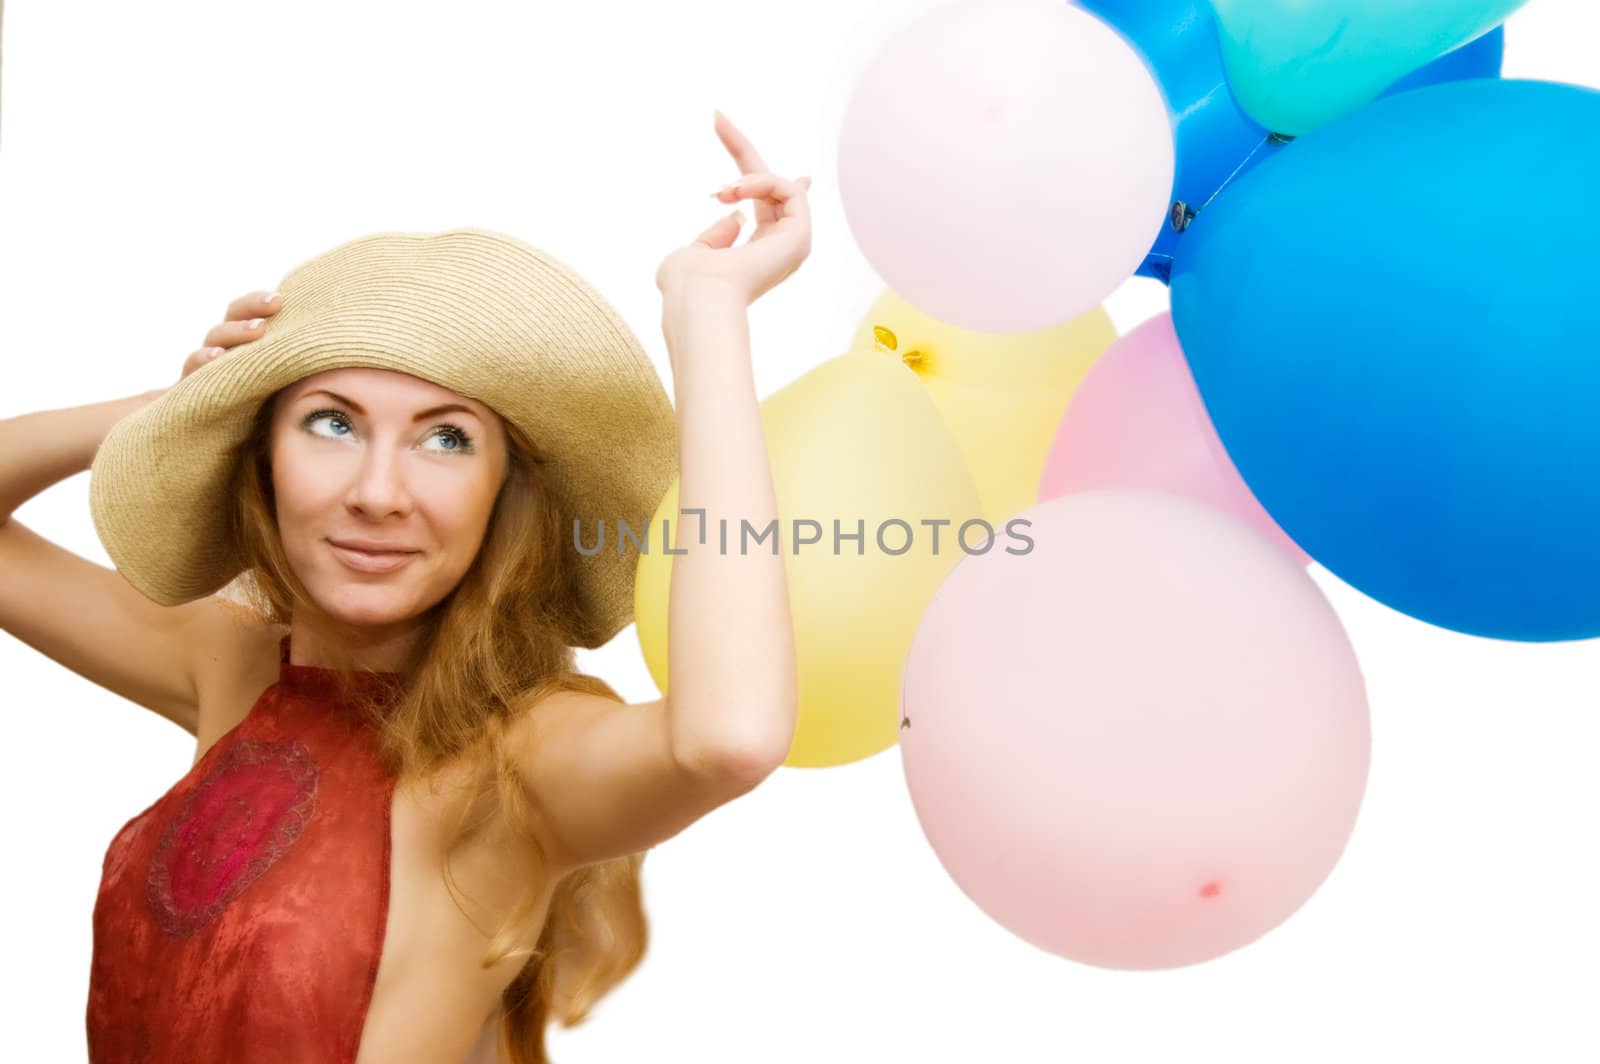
(82, 615)
(731, 657)
(608, 779)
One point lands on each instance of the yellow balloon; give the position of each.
(1002, 394)
(857, 441)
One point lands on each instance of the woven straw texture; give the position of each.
(477, 312)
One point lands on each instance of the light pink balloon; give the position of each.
(1005, 164)
(1137, 421)
(1143, 743)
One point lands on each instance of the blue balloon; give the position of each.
(1481, 58)
(1215, 140)
(1394, 332)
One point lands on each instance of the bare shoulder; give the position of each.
(236, 659)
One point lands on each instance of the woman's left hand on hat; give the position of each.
(781, 240)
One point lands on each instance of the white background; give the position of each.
(158, 159)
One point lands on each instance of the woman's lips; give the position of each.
(366, 561)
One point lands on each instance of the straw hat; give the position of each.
(477, 312)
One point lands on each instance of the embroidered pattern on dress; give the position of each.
(244, 816)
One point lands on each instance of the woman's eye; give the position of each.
(457, 438)
(333, 414)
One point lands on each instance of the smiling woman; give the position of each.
(413, 829)
(396, 543)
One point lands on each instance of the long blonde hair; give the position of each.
(489, 651)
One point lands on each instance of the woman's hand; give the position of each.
(781, 241)
(242, 322)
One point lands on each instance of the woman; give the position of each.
(413, 832)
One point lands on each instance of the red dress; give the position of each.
(240, 917)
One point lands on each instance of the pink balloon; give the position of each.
(1143, 743)
(1137, 421)
(1005, 164)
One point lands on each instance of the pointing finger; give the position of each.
(739, 146)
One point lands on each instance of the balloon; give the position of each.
(1137, 421)
(1215, 139)
(1295, 64)
(1394, 334)
(1005, 164)
(1481, 58)
(855, 441)
(1001, 394)
(1141, 745)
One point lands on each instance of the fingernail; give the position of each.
(215, 351)
(273, 298)
(253, 323)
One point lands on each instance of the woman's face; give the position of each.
(370, 458)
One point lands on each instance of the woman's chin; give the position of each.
(366, 605)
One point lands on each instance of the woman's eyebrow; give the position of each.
(430, 412)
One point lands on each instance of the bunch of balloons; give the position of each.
(1133, 728)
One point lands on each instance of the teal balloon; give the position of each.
(1295, 64)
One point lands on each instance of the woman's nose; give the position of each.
(379, 487)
